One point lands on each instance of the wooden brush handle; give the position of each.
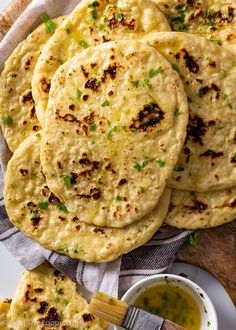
(10, 15)
(168, 325)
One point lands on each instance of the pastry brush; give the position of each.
(127, 316)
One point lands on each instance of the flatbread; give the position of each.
(18, 119)
(98, 150)
(26, 191)
(92, 23)
(208, 71)
(47, 299)
(193, 210)
(4, 309)
(212, 19)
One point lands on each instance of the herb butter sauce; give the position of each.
(172, 303)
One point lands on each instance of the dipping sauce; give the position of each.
(172, 303)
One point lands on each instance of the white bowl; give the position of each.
(208, 314)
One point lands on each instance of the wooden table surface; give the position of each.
(216, 250)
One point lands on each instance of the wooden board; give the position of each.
(216, 251)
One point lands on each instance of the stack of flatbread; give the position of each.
(46, 299)
(121, 116)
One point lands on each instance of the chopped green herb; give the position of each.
(67, 181)
(217, 42)
(65, 302)
(121, 54)
(234, 157)
(83, 44)
(34, 215)
(102, 27)
(225, 96)
(7, 120)
(118, 15)
(178, 22)
(93, 11)
(118, 198)
(148, 83)
(176, 67)
(178, 112)
(60, 291)
(209, 18)
(180, 8)
(79, 93)
(134, 130)
(234, 63)
(79, 249)
(194, 238)
(50, 26)
(105, 104)
(142, 190)
(153, 72)
(63, 208)
(110, 133)
(43, 205)
(135, 83)
(68, 30)
(161, 163)
(139, 167)
(93, 126)
(94, 14)
(64, 248)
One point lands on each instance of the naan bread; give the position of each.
(121, 135)
(18, 119)
(40, 215)
(193, 210)
(208, 71)
(4, 309)
(213, 19)
(92, 23)
(47, 299)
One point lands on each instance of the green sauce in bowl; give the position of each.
(172, 303)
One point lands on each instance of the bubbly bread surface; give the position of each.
(212, 19)
(92, 23)
(47, 299)
(193, 210)
(112, 134)
(18, 118)
(39, 214)
(208, 71)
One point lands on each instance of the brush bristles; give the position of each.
(108, 308)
